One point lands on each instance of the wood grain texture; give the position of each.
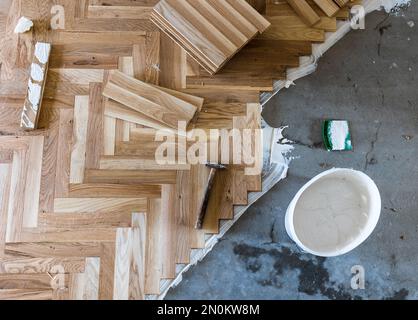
(304, 10)
(210, 32)
(95, 127)
(78, 154)
(65, 135)
(328, 6)
(150, 101)
(153, 256)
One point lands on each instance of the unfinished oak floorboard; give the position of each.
(85, 286)
(153, 257)
(305, 11)
(341, 3)
(107, 271)
(78, 154)
(44, 234)
(65, 134)
(94, 141)
(25, 281)
(49, 166)
(123, 256)
(131, 177)
(5, 176)
(72, 205)
(220, 202)
(25, 294)
(168, 231)
(58, 222)
(53, 249)
(173, 66)
(25, 182)
(183, 217)
(41, 265)
(199, 175)
(120, 12)
(97, 190)
(138, 257)
(328, 6)
(146, 59)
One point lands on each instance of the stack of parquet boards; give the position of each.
(211, 31)
(81, 195)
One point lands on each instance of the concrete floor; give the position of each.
(367, 78)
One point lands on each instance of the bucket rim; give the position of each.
(366, 231)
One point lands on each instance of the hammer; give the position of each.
(214, 167)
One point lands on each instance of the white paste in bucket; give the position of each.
(334, 212)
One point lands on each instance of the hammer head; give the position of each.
(216, 166)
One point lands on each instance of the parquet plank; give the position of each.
(65, 134)
(5, 177)
(71, 205)
(95, 127)
(153, 263)
(78, 154)
(137, 263)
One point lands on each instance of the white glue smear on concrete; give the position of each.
(281, 149)
(42, 52)
(36, 72)
(338, 134)
(23, 25)
(394, 5)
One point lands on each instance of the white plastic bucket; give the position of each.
(334, 212)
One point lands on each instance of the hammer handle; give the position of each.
(205, 201)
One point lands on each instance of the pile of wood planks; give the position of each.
(156, 107)
(311, 16)
(211, 31)
(85, 212)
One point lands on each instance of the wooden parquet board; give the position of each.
(84, 211)
(211, 31)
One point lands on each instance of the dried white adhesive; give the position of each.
(281, 148)
(23, 25)
(289, 83)
(25, 119)
(330, 214)
(339, 132)
(36, 72)
(390, 5)
(34, 94)
(42, 51)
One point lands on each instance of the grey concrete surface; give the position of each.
(367, 78)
